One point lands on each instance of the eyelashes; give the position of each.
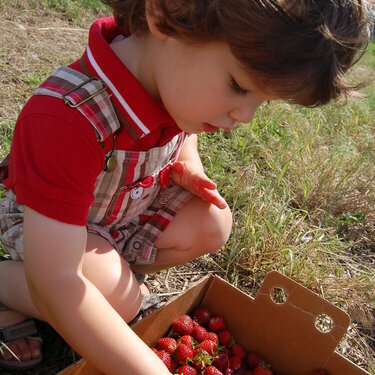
(237, 88)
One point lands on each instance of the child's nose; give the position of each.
(244, 113)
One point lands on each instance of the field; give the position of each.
(300, 181)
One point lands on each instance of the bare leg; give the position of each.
(102, 265)
(199, 228)
(111, 274)
(15, 295)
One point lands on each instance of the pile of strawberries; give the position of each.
(203, 345)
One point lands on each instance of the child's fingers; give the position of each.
(200, 183)
(178, 167)
(213, 197)
(207, 184)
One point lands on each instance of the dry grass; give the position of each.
(35, 40)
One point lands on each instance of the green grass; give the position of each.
(300, 183)
(77, 10)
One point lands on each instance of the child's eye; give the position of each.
(237, 88)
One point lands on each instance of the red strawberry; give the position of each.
(199, 333)
(226, 351)
(235, 362)
(183, 353)
(165, 358)
(187, 340)
(253, 359)
(212, 336)
(173, 366)
(212, 370)
(186, 370)
(216, 324)
(202, 315)
(260, 370)
(229, 371)
(167, 344)
(224, 337)
(209, 346)
(320, 372)
(201, 359)
(183, 325)
(238, 351)
(221, 361)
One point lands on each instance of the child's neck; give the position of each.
(133, 51)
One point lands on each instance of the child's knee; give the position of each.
(216, 228)
(129, 304)
(121, 289)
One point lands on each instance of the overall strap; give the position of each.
(88, 95)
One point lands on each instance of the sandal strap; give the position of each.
(4, 258)
(18, 331)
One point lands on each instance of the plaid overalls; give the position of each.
(135, 198)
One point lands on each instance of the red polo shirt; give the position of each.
(55, 158)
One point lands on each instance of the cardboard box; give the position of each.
(284, 333)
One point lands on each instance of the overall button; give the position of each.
(110, 164)
(137, 245)
(137, 192)
(165, 177)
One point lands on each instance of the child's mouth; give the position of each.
(209, 128)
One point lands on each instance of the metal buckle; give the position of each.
(75, 105)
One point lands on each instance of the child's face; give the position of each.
(203, 87)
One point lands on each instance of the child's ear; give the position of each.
(152, 16)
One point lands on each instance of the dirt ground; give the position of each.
(34, 42)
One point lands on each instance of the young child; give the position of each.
(104, 176)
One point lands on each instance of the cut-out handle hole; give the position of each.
(278, 295)
(324, 323)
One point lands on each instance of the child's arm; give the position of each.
(73, 305)
(188, 171)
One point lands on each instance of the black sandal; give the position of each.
(22, 330)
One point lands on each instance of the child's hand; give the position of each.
(196, 181)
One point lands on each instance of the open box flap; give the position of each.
(285, 333)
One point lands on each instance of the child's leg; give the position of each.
(14, 295)
(111, 274)
(102, 265)
(199, 228)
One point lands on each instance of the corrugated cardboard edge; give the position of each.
(179, 305)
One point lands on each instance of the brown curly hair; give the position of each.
(301, 49)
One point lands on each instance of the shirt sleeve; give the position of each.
(54, 165)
